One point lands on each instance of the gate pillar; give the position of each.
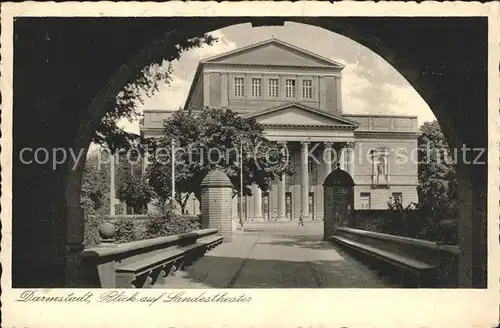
(338, 189)
(216, 203)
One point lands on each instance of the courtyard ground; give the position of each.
(277, 255)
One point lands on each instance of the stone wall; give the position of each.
(402, 169)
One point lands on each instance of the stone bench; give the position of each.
(146, 272)
(414, 262)
(421, 271)
(144, 263)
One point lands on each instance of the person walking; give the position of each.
(301, 220)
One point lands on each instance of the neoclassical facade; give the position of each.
(297, 96)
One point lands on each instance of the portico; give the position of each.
(315, 142)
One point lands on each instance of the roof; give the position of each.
(279, 43)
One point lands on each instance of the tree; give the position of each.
(437, 182)
(434, 217)
(95, 187)
(211, 139)
(135, 192)
(437, 185)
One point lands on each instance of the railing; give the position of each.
(443, 257)
(142, 264)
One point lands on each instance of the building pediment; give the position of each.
(295, 114)
(273, 52)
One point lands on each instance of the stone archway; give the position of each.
(450, 78)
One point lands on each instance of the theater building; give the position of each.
(297, 97)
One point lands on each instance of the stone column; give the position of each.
(282, 191)
(350, 158)
(281, 198)
(257, 203)
(342, 159)
(304, 175)
(327, 157)
(351, 161)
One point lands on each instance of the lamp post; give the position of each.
(171, 202)
(173, 170)
(241, 185)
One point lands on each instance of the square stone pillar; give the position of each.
(216, 204)
(257, 203)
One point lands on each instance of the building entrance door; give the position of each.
(265, 207)
(311, 205)
(288, 202)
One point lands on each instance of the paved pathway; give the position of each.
(277, 255)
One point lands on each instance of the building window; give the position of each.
(273, 88)
(364, 200)
(307, 92)
(256, 87)
(239, 87)
(290, 88)
(397, 198)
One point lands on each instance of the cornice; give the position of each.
(380, 115)
(323, 127)
(386, 134)
(257, 65)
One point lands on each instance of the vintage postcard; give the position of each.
(252, 164)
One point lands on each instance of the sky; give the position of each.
(370, 85)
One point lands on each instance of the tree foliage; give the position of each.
(95, 187)
(132, 190)
(437, 181)
(434, 217)
(135, 192)
(210, 139)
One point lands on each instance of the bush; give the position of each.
(139, 227)
(399, 221)
(172, 224)
(125, 230)
(128, 228)
(91, 232)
